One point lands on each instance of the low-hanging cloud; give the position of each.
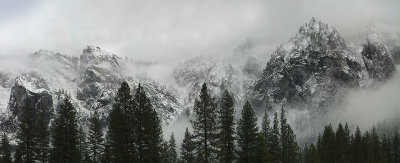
(170, 31)
(369, 107)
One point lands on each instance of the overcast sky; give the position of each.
(163, 30)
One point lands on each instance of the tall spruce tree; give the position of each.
(357, 147)
(18, 156)
(262, 154)
(341, 144)
(311, 154)
(5, 153)
(204, 126)
(26, 133)
(187, 148)
(292, 148)
(42, 149)
(64, 135)
(387, 147)
(284, 144)
(95, 145)
(83, 145)
(106, 157)
(121, 130)
(148, 132)
(172, 149)
(288, 145)
(368, 155)
(164, 152)
(328, 152)
(274, 142)
(266, 129)
(247, 135)
(396, 147)
(226, 129)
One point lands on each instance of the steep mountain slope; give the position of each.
(316, 67)
(91, 81)
(235, 72)
(387, 35)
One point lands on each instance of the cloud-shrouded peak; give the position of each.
(316, 35)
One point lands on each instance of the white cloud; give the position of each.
(164, 30)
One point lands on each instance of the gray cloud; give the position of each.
(167, 31)
(369, 107)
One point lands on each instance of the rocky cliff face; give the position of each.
(316, 67)
(26, 86)
(101, 74)
(91, 82)
(235, 72)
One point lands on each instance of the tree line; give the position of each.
(216, 137)
(134, 134)
(342, 146)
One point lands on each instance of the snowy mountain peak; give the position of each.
(33, 82)
(92, 52)
(96, 58)
(90, 49)
(317, 36)
(316, 67)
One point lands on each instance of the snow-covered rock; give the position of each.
(27, 86)
(314, 68)
(90, 80)
(235, 72)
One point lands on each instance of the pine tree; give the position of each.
(42, 138)
(172, 149)
(357, 147)
(26, 133)
(387, 147)
(18, 156)
(368, 155)
(376, 146)
(107, 155)
(187, 148)
(95, 138)
(292, 148)
(148, 132)
(284, 137)
(5, 154)
(262, 154)
(204, 126)
(247, 135)
(396, 147)
(266, 130)
(328, 153)
(83, 146)
(274, 142)
(226, 129)
(120, 132)
(319, 147)
(347, 139)
(164, 152)
(289, 148)
(311, 154)
(64, 135)
(341, 145)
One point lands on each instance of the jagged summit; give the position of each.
(314, 68)
(92, 55)
(91, 82)
(315, 36)
(33, 82)
(91, 50)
